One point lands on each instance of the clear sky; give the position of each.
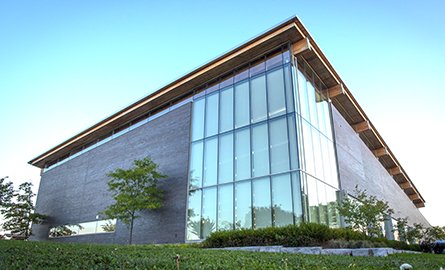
(65, 65)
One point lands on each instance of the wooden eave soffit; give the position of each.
(395, 171)
(405, 185)
(362, 126)
(414, 196)
(380, 152)
(301, 46)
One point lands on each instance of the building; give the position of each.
(267, 134)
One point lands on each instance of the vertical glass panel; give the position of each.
(194, 215)
(289, 90)
(87, 227)
(198, 119)
(208, 221)
(312, 194)
(320, 111)
(258, 99)
(226, 110)
(260, 153)
(318, 160)
(275, 93)
(279, 148)
(242, 154)
(211, 115)
(225, 207)
(210, 165)
(308, 150)
(282, 200)
(304, 101)
(243, 203)
(326, 161)
(242, 114)
(293, 142)
(333, 215)
(262, 214)
(312, 104)
(225, 160)
(297, 191)
(196, 165)
(327, 116)
(322, 203)
(333, 167)
(104, 226)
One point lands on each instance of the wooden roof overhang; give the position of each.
(291, 31)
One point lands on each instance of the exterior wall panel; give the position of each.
(358, 166)
(77, 190)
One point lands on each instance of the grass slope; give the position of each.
(41, 255)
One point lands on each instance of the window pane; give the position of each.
(282, 200)
(258, 99)
(275, 88)
(312, 200)
(104, 226)
(198, 119)
(225, 207)
(212, 115)
(333, 167)
(196, 164)
(279, 149)
(297, 200)
(327, 116)
(289, 90)
(226, 110)
(333, 215)
(293, 142)
(194, 215)
(242, 154)
(242, 107)
(304, 102)
(225, 169)
(87, 227)
(312, 104)
(210, 166)
(262, 214)
(322, 203)
(243, 214)
(308, 150)
(208, 220)
(320, 111)
(318, 160)
(260, 153)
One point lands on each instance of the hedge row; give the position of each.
(306, 234)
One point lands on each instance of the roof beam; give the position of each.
(395, 171)
(335, 91)
(301, 46)
(362, 126)
(380, 152)
(414, 196)
(419, 204)
(405, 185)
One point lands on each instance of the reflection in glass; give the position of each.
(242, 154)
(225, 169)
(297, 192)
(288, 85)
(275, 93)
(282, 200)
(225, 207)
(262, 214)
(208, 220)
(98, 226)
(243, 214)
(194, 215)
(260, 150)
(210, 166)
(312, 200)
(198, 119)
(226, 110)
(304, 101)
(279, 148)
(211, 118)
(106, 226)
(293, 142)
(242, 114)
(258, 99)
(196, 165)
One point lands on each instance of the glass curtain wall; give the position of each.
(255, 161)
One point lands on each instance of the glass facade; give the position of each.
(92, 227)
(261, 151)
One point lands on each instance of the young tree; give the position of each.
(134, 190)
(401, 226)
(365, 213)
(6, 191)
(19, 212)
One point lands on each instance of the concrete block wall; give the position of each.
(76, 191)
(358, 166)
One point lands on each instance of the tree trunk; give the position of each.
(131, 230)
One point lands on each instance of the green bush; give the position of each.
(306, 234)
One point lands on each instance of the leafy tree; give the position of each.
(433, 233)
(401, 225)
(134, 190)
(365, 213)
(19, 212)
(6, 191)
(414, 233)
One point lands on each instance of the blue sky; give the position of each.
(65, 65)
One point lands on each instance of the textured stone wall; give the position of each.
(359, 166)
(76, 191)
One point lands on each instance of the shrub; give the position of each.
(306, 234)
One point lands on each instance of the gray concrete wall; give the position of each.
(359, 166)
(76, 191)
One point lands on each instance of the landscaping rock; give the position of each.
(302, 250)
(364, 252)
(336, 251)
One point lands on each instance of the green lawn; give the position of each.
(39, 255)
